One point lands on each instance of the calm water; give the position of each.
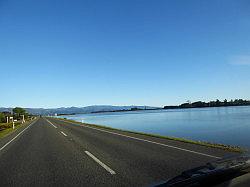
(227, 125)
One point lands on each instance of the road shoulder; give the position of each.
(8, 137)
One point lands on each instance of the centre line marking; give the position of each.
(51, 123)
(17, 136)
(112, 172)
(63, 133)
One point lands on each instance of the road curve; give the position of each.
(52, 152)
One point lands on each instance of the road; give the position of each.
(52, 152)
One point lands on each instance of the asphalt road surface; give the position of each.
(52, 152)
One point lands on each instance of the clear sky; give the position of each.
(56, 53)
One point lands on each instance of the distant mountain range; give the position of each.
(77, 110)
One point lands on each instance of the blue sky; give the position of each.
(57, 53)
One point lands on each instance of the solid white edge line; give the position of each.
(140, 139)
(112, 172)
(16, 136)
(149, 141)
(51, 123)
(63, 133)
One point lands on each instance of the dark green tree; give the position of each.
(18, 111)
(225, 102)
(217, 102)
(2, 118)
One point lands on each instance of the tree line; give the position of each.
(216, 103)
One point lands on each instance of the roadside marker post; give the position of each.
(23, 120)
(13, 123)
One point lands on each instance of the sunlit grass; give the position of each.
(8, 129)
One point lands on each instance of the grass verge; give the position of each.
(7, 128)
(7, 131)
(202, 143)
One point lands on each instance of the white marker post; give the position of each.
(23, 119)
(13, 124)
